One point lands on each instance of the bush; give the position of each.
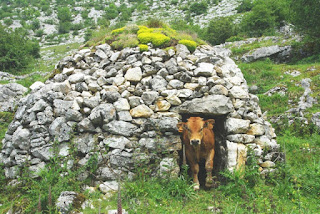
(246, 5)
(64, 27)
(157, 39)
(64, 14)
(16, 51)
(111, 12)
(125, 40)
(264, 17)
(198, 8)
(143, 47)
(191, 45)
(117, 31)
(259, 21)
(219, 30)
(305, 16)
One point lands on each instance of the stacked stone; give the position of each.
(123, 106)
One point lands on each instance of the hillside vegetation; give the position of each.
(295, 184)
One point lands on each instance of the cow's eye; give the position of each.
(201, 129)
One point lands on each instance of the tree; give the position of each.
(16, 51)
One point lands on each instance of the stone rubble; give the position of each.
(110, 103)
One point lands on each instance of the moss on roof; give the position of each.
(141, 36)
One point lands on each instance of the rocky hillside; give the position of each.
(42, 19)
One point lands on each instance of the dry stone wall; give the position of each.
(123, 107)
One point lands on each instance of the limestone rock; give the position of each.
(116, 142)
(205, 69)
(120, 128)
(134, 74)
(10, 95)
(65, 201)
(141, 111)
(169, 168)
(209, 105)
(162, 105)
(108, 186)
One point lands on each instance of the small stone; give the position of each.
(75, 78)
(108, 186)
(256, 129)
(149, 97)
(237, 126)
(141, 111)
(120, 128)
(122, 104)
(176, 84)
(205, 69)
(191, 86)
(238, 92)
(162, 105)
(36, 86)
(158, 83)
(124, 116)
(219, 89)
(134, 101)
(173, 100)
(268, 164)
(134, 74)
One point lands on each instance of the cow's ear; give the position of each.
(180, 126)
(209, 123)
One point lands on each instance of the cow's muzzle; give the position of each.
(195, 142)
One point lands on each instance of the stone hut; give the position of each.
(122, 108)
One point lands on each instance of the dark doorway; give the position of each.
(220, 159)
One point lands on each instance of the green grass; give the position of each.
(5, 120)
(293, 189)
(266, 75)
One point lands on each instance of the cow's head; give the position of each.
(194, 128)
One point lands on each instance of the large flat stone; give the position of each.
(209, 105)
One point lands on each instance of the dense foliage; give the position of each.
(16, 51)
(306, 17)
(219, 30)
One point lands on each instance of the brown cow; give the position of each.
(198, 139)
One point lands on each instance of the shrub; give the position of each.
(198, 8)
(219, 30)
(111, 12)
(157, 39)
(264, 17)
(143, 47)
(155, 23)
(305, 16)
(64, 14)
(16, 51)
(191, 45)
(8, 22)
(64, 27)
(246, 5)
(125, 40)
(117, 31)
(259, 21)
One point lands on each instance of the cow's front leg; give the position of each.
(195, 172)
(209, 167)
